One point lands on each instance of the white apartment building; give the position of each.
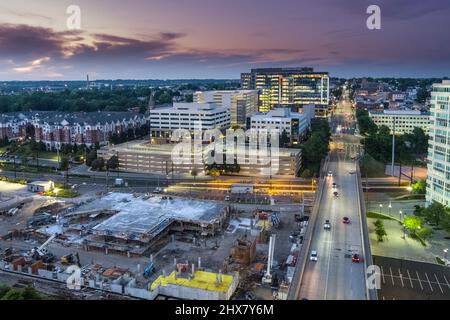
(438, 180)
(190, 116)
(405, 120)
(282, 119)
(241, 103)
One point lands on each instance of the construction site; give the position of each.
(151, 246)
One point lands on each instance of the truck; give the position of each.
(241, 188)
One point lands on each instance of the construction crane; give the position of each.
(42, 252)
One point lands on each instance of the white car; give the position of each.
(313, 256)
(352, 172)
(330, 174)
(227, 198)
(327, 225)
(334, 185)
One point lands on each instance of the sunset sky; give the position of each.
(167, 39)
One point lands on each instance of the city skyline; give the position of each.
(209, 39)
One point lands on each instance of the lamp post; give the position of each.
(381, 206)
(390, 207)
(401, 215)
(445, 253)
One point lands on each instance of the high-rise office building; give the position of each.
(241, 103)
(438, 180)
(289, 87)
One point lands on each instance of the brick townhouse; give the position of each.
(58, 128)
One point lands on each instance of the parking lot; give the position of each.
(411, 280)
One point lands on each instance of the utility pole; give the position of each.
(393, 146)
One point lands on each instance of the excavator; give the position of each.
(72, 258)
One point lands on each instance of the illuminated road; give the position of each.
(334, 276)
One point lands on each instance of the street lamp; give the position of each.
(409, 188)
(445, 253)
(401, 215)
(390, 207)
(381, 206)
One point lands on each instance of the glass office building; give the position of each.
(289, 87)
(438, 179)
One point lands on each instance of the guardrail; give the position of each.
(294, 289)
(371, 294)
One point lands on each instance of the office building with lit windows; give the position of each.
(405, 120)
(240, 103)
(289, 87)
(438, 180)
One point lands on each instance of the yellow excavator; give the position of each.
(72, 258)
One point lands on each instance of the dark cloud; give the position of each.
(22, 42)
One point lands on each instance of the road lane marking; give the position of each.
(410, 280)
(401, 278)
(420, 281)
(448, 285)
(382, 274)
(392, 277)
(437, 280)
(429, 283)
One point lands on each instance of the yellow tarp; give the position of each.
(202, 280)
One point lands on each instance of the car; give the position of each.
(334, 185)
(330, 173)
(352, 172)
(335, 194)
(346, 220)
(227, 198)
(327, 225)
(313, 256)
(356, 258)
(158, 190)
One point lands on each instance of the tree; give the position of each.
(365, 123)
(91, 156)
(64, 163)
(284, 139)
(29, 131)
(306, 174)
(98, 164)
(419, 187)
(30, 293)
(380, 231)
(13, 294)
(412, 223)
(112, 163)
(435, 213)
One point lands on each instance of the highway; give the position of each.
(334, 276)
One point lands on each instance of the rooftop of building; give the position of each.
(144, 147)
(202, 280)
(189, 106)
(143, 215)
(400, 113)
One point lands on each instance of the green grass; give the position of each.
(48, 155)
(440, 261)
(376, 215)
(62, 193)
